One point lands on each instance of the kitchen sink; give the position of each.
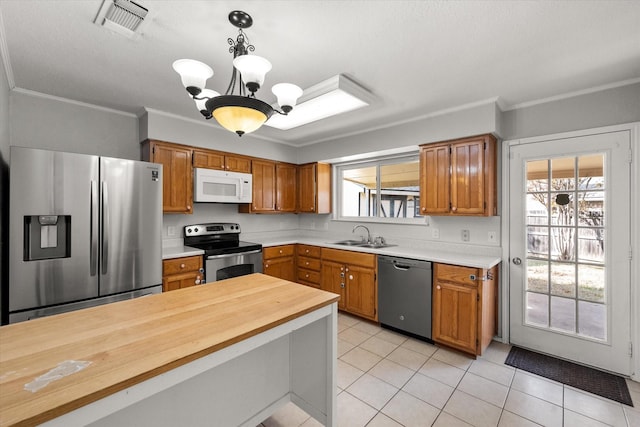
(361, 244)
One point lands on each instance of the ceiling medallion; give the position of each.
(242, 112)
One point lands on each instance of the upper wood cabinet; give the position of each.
(314, 188)
(219, 160)
(177, 174)
(274, 187)
(459, 177)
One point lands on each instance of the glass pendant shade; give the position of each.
(287, 94)
(240, 120)
(193, 73)
(206, 93)
(253, 68)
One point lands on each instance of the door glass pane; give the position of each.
(593, 320)
(591, 245)
(537, 276)
(563, 174)
(538, 176)
(563, 314)
(591, 283)
(538, 242)
(537, 208)
(591, 172)
(537, 312)
(562, 243)
(563, 279)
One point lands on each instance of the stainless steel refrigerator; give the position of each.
(84, 231)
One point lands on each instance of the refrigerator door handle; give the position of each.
(93, 230)
(105, 227)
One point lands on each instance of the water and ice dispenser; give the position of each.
(47, 237)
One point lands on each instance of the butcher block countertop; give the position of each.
(108, 348)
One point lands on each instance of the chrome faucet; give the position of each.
(368, 232)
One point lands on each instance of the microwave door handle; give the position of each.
(241, 188)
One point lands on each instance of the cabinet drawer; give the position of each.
(181, 265)
(309, 263)
(457, 274)
(348, 257)
(309, 276)
(307, 250)
(278, 251)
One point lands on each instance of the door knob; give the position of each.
(517, 261)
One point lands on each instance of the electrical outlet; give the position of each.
(465, 235)
(435, 233)
(171, 231)
(492, 237)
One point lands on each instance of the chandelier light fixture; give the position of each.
(238, 110)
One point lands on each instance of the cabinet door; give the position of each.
(360, 289)
(208, 159)
(455, 321)
(307, 188)
(264, 186)
(283, 268)
(434, 179)
(179, 281)
(177, 180)
(467, 178)
(333, 280)
(238, 164)
(286, 185)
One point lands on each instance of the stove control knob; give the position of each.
(195, 229)
(188, 230)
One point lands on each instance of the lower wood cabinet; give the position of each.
(464, 307)
(353, 275)
(309, 265)
(178, 273)
(279, 261)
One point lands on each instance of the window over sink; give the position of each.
(386, 189)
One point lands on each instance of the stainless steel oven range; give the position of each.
(225, 256)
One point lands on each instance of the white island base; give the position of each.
(239, 385)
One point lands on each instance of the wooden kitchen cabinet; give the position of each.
(177, 174)
(459, 177)
(309, 265)
(314, 188)
(279, 261)
(464, 307)
(178, 273)
(222, 161)
(274, 187)
(353, 275)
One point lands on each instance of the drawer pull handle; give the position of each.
(351, 277)
(266, 266)
(306, 275)
(182, 266)
(306, 263)
(438, 287)
(280, 251)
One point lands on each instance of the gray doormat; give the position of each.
(597, 382)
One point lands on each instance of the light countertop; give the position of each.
(180, 252)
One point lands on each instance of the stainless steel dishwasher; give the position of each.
(404, 295)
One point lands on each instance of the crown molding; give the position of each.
(72, 102)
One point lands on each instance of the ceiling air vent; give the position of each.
(121, 16)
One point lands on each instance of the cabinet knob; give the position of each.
(280, 251)
(306, 263)
(188, 208)
(306, 251)
(424, 209)
(453, 209)
(182, 266)
(438, 287)
(351, 277)
(306, 275)
(198, 281)
(266, 266)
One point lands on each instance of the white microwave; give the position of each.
(210, 185)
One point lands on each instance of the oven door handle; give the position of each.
(236, 254)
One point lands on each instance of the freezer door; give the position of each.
(131, 225)
(52, 238)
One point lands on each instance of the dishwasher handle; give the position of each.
(401, 267)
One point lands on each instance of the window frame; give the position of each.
(377, 162)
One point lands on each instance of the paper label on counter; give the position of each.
(63, 369)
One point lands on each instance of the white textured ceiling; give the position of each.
(417, 57)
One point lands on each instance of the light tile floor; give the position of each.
(386, 379)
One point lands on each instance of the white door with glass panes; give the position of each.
(569, 244)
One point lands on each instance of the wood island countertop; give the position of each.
(131, 341)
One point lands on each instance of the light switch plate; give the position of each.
(465, 235)
(435, 233)
(492, 237)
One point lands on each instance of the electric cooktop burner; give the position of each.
(217, 239)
